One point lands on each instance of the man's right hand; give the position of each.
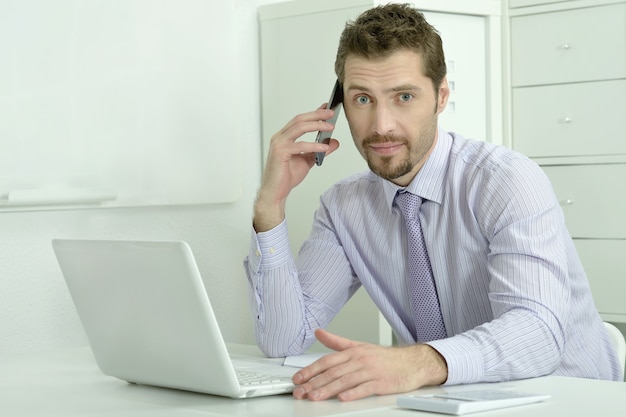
(288, 163)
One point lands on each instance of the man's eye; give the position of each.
(362, 100)
(406, 97)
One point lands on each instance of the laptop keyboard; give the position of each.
(258, 378)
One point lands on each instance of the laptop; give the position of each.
(148, 319)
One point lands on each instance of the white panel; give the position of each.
(122, 98)
(523, 3)
(570, 46)
(605, 264)
(593, 199)
(466, 112)
(570, 119)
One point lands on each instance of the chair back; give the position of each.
(618, 340)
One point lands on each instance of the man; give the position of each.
(510, 297)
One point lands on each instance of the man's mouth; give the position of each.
(386, 148)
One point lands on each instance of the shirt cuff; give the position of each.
(464, 360)
(270, 249)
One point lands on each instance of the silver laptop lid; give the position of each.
(146, 314)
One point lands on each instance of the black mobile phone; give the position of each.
(334, 103)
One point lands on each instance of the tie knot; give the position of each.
(408, 203)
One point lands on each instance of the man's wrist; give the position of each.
(267, 215)
(432, 364)
(439, 366)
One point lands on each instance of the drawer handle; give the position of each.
(566, 46)
(567, 202)
(567, 119)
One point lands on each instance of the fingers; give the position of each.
(318, 367)
(349, 380)
(327, 377)
(329, 361)
(285, 146)
(335, 374)
(305, 123)
(360, 391)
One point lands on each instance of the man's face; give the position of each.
(392, 111)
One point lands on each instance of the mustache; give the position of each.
(376, 138)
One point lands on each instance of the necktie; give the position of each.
(425, 304)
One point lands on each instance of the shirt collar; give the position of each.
(429, 181)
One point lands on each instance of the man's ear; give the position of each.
(443, 95)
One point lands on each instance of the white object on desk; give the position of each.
(466, 402)
(300, 361)
(148, 318)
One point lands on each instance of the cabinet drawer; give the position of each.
(605, 264)
(570, 119)
(569, 46)
(593, 198)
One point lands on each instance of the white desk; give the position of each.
(68, 383)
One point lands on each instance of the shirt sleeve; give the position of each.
(529, 287)
(272, 275)
(290, 299)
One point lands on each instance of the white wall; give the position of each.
(36, 312)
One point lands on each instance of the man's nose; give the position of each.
(383, 123)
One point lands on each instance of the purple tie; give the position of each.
(426, 311)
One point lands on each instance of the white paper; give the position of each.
(301, 361)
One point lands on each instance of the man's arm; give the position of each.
(290, 300)
(276, 297)
(529, 287)
(288, 163)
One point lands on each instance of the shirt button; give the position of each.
(257, 253)
(272, 250)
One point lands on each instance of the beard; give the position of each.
(384, 166)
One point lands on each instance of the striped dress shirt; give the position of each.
(514, 296)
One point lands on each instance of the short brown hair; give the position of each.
(379, 32)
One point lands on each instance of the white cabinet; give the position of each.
(298, 46)
(593, 199)
(568, 46)
(581, 119)
(568, 112)
(606, 277)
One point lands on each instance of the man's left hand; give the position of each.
(357, 370)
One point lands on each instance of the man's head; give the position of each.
(392, 67)
(383, 30)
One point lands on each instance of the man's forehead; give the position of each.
(402, 65)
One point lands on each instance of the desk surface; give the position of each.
(68, 383)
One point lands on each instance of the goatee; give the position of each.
(385, 167)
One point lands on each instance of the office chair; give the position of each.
(620, 344)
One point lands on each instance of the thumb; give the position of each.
(333, 341)
(333, 145)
